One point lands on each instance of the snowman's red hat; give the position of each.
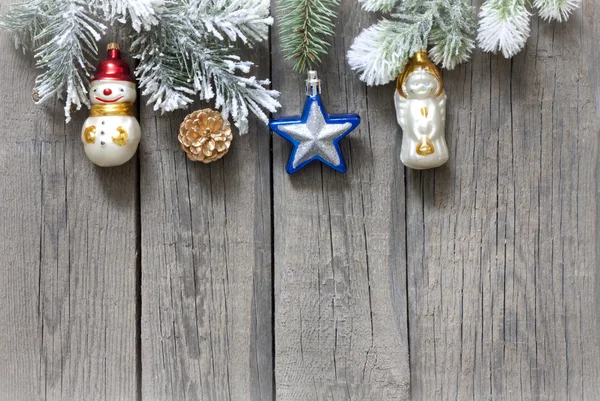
(113, 68)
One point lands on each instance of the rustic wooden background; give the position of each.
(168, 280)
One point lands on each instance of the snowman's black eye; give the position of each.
(122, 90)
(94, 90)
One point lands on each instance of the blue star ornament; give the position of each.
(316, 134)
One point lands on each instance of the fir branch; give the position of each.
(63, 35)
(247, 20)
(304, 27)
(159, 74)
(558, 10)
(452, 34)
(24, 21)
(175, 66)
(380, 52)
(385, 6)
(183, 47)
(142, 13)
(70, 41)
(503, 26)
(235, 95)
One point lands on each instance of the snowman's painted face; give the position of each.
(110, 92)
(421, 85)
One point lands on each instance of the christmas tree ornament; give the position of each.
(395, 47)
(316, 134)
(205, 136)
(420, 103)
(111, 133)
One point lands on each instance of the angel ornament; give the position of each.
(421, 111)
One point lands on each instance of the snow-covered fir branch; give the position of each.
(235, 94)
(385, 6)
(25, 21)
(558, 10)
(504, 25)
(64, 36)
(247, 20)
(452, 34)
(447, 28)
(175, 66)
(141, 13)
(380, 52)
(185, 49)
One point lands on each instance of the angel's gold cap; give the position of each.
(418, 62)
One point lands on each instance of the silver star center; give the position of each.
(315, 137)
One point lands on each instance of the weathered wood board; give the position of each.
(339, 243)
(171, 280)
(206, 265)
(502, 257)
(68, 254)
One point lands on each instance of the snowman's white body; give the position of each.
(422, 116)
(111, 140)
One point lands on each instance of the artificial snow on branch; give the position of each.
(141, 13)
(185, 56)
(64, 36)
(505, 24)
(185, 49)
(25, 21)
(247, 20)
(385, 6)
(380, 52)
(304, 26)
(558, 10)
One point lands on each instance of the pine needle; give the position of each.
(305, 27)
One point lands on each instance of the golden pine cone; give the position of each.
(204, 137)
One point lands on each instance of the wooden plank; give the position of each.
(67, 255)
(206, 265)
(340, 301)
(502, 262)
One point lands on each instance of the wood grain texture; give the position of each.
(502, 257)
(67, 254)
(489, 265)
(340, 300)
(591, 54)
(206, 266)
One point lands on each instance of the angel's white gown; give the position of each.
(423, 121)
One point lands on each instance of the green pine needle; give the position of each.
(305, 26)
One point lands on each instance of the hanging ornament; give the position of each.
(204, 136)
(111, 134)
(421, 110)
(315, 135)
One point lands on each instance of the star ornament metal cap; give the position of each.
(316, 134)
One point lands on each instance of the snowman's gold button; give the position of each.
(89, 135)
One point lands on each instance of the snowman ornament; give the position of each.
(420, 103)
(111, 133)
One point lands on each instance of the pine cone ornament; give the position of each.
(204, 137)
